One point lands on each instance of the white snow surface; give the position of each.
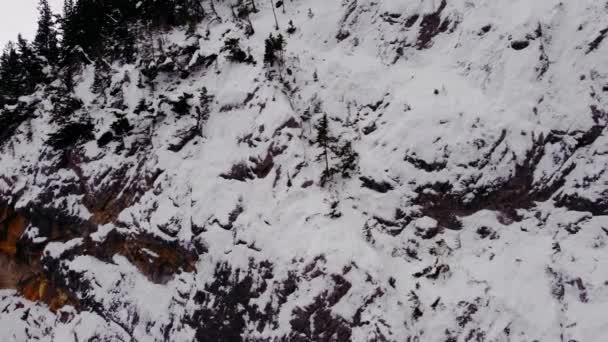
(467, 96)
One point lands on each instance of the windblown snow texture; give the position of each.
(474, 207)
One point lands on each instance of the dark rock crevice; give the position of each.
(519, 191)
(430, 26)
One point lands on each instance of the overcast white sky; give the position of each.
(19, 16)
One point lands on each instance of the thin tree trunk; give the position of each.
(250, 24)
(275, 16)
(213, 9)
(326, 161)
(234, 16)
(280, 65)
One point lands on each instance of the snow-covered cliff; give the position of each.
(187, 196)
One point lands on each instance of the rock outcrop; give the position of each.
(384, 171)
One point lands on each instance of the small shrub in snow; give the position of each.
(235, 52)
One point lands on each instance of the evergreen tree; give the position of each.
(46, 42)
(333, 148)
(279, 47)
(348, 159)
(31, 67)
(11, 78)
(269, 57)
(235, 52)
(189, 12)
(323, 141)
(99, 28)
(102, 79)
(121, 42)
(203, 110)
(164, 14)
(64, 22)
(83, 26)
(68, 7)
(107, 28)
(274, 51)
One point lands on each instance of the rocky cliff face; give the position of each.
(460, 193)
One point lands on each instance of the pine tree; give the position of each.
(46, 42)
(164, 14)
(121, 41)
(279, 46)
(11, 87)
(68, 7)
(11, 77)
(65, 20)
(344, 159)
(235, 52)
(83, 27)
(31, 65)
(187, 12)
(348, 158)
(274, 51)
(203, 110)
(102, 78)
(269, 56)
(323, 140)
(107, 28)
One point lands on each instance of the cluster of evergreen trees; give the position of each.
(97, 28)
(22, 64)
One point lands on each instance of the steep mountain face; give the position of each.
(403, 170)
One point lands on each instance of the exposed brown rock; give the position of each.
(430, 26)
(22, 259)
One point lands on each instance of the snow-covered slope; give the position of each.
(474, 206)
